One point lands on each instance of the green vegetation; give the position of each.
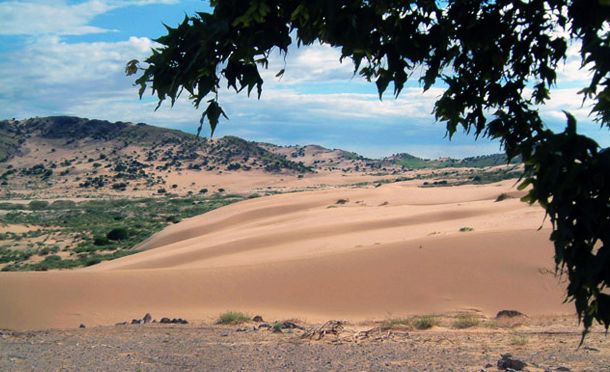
(463, 321)
(91, 231)
(466, 229)
(232, 317)
(425, 322)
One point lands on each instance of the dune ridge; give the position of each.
(351, 254)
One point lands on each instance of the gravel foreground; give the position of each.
(548, 346)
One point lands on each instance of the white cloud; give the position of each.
(570, 70)
(48, 17)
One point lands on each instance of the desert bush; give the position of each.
(37, 205)
(465, 321)
(466, 229)
(232, 317)
(501, 197)
(424, 322)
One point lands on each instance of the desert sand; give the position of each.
(350, 254)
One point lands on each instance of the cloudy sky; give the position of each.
(67, 58)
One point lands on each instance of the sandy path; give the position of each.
(392, 250)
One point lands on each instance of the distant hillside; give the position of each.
(99, 154)
(69, 153)
(410, 161)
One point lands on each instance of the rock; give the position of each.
(165, 320)
(258, 319)
(291, 325)
(509, 314)
(82, 326)
(507, 362)
(136, 321)
(488, 365)
(147, 318)
(121, 324)
(241, 330)
(264, 325)
(564, 369)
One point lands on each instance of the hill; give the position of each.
(75, 157)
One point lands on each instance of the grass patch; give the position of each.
(465, 321)
(519, 340)
(466, 229)
(424, 322)
(394, 323)
(232, 317)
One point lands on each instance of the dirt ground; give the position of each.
(545, 345)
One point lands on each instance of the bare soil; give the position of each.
(544, 344)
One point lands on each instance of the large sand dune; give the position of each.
(378, 252)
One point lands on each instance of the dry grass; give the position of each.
(463, 321)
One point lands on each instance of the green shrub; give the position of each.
(101, 240)
(118, 234)
(466, 229)
(424, 322)
(37, 205)
(232, 317)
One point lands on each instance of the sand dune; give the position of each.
(345, 253)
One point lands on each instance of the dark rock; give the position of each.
(488, 365)
(136, 321)
(165, 320)
(507, 362)
(264, 325)
(291, 325)
(82, 326)
(258, 319)
(147, 318)
(509, 314)
(563, 369)
(121, 324)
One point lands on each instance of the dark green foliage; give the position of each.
(120, 233)
(38, 204)
(487, 54)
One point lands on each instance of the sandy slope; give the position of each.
(391, 250)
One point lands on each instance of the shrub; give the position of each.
(120, 233)
(501, 197)
(203, 191)
(161, 191)
(36, 205)
(466, 229)
(232, 317)
(101, 240)
(424, 322)
(465, 321)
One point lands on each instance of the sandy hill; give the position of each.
(74, 157)
(352, 254)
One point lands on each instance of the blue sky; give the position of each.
(67, 58)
